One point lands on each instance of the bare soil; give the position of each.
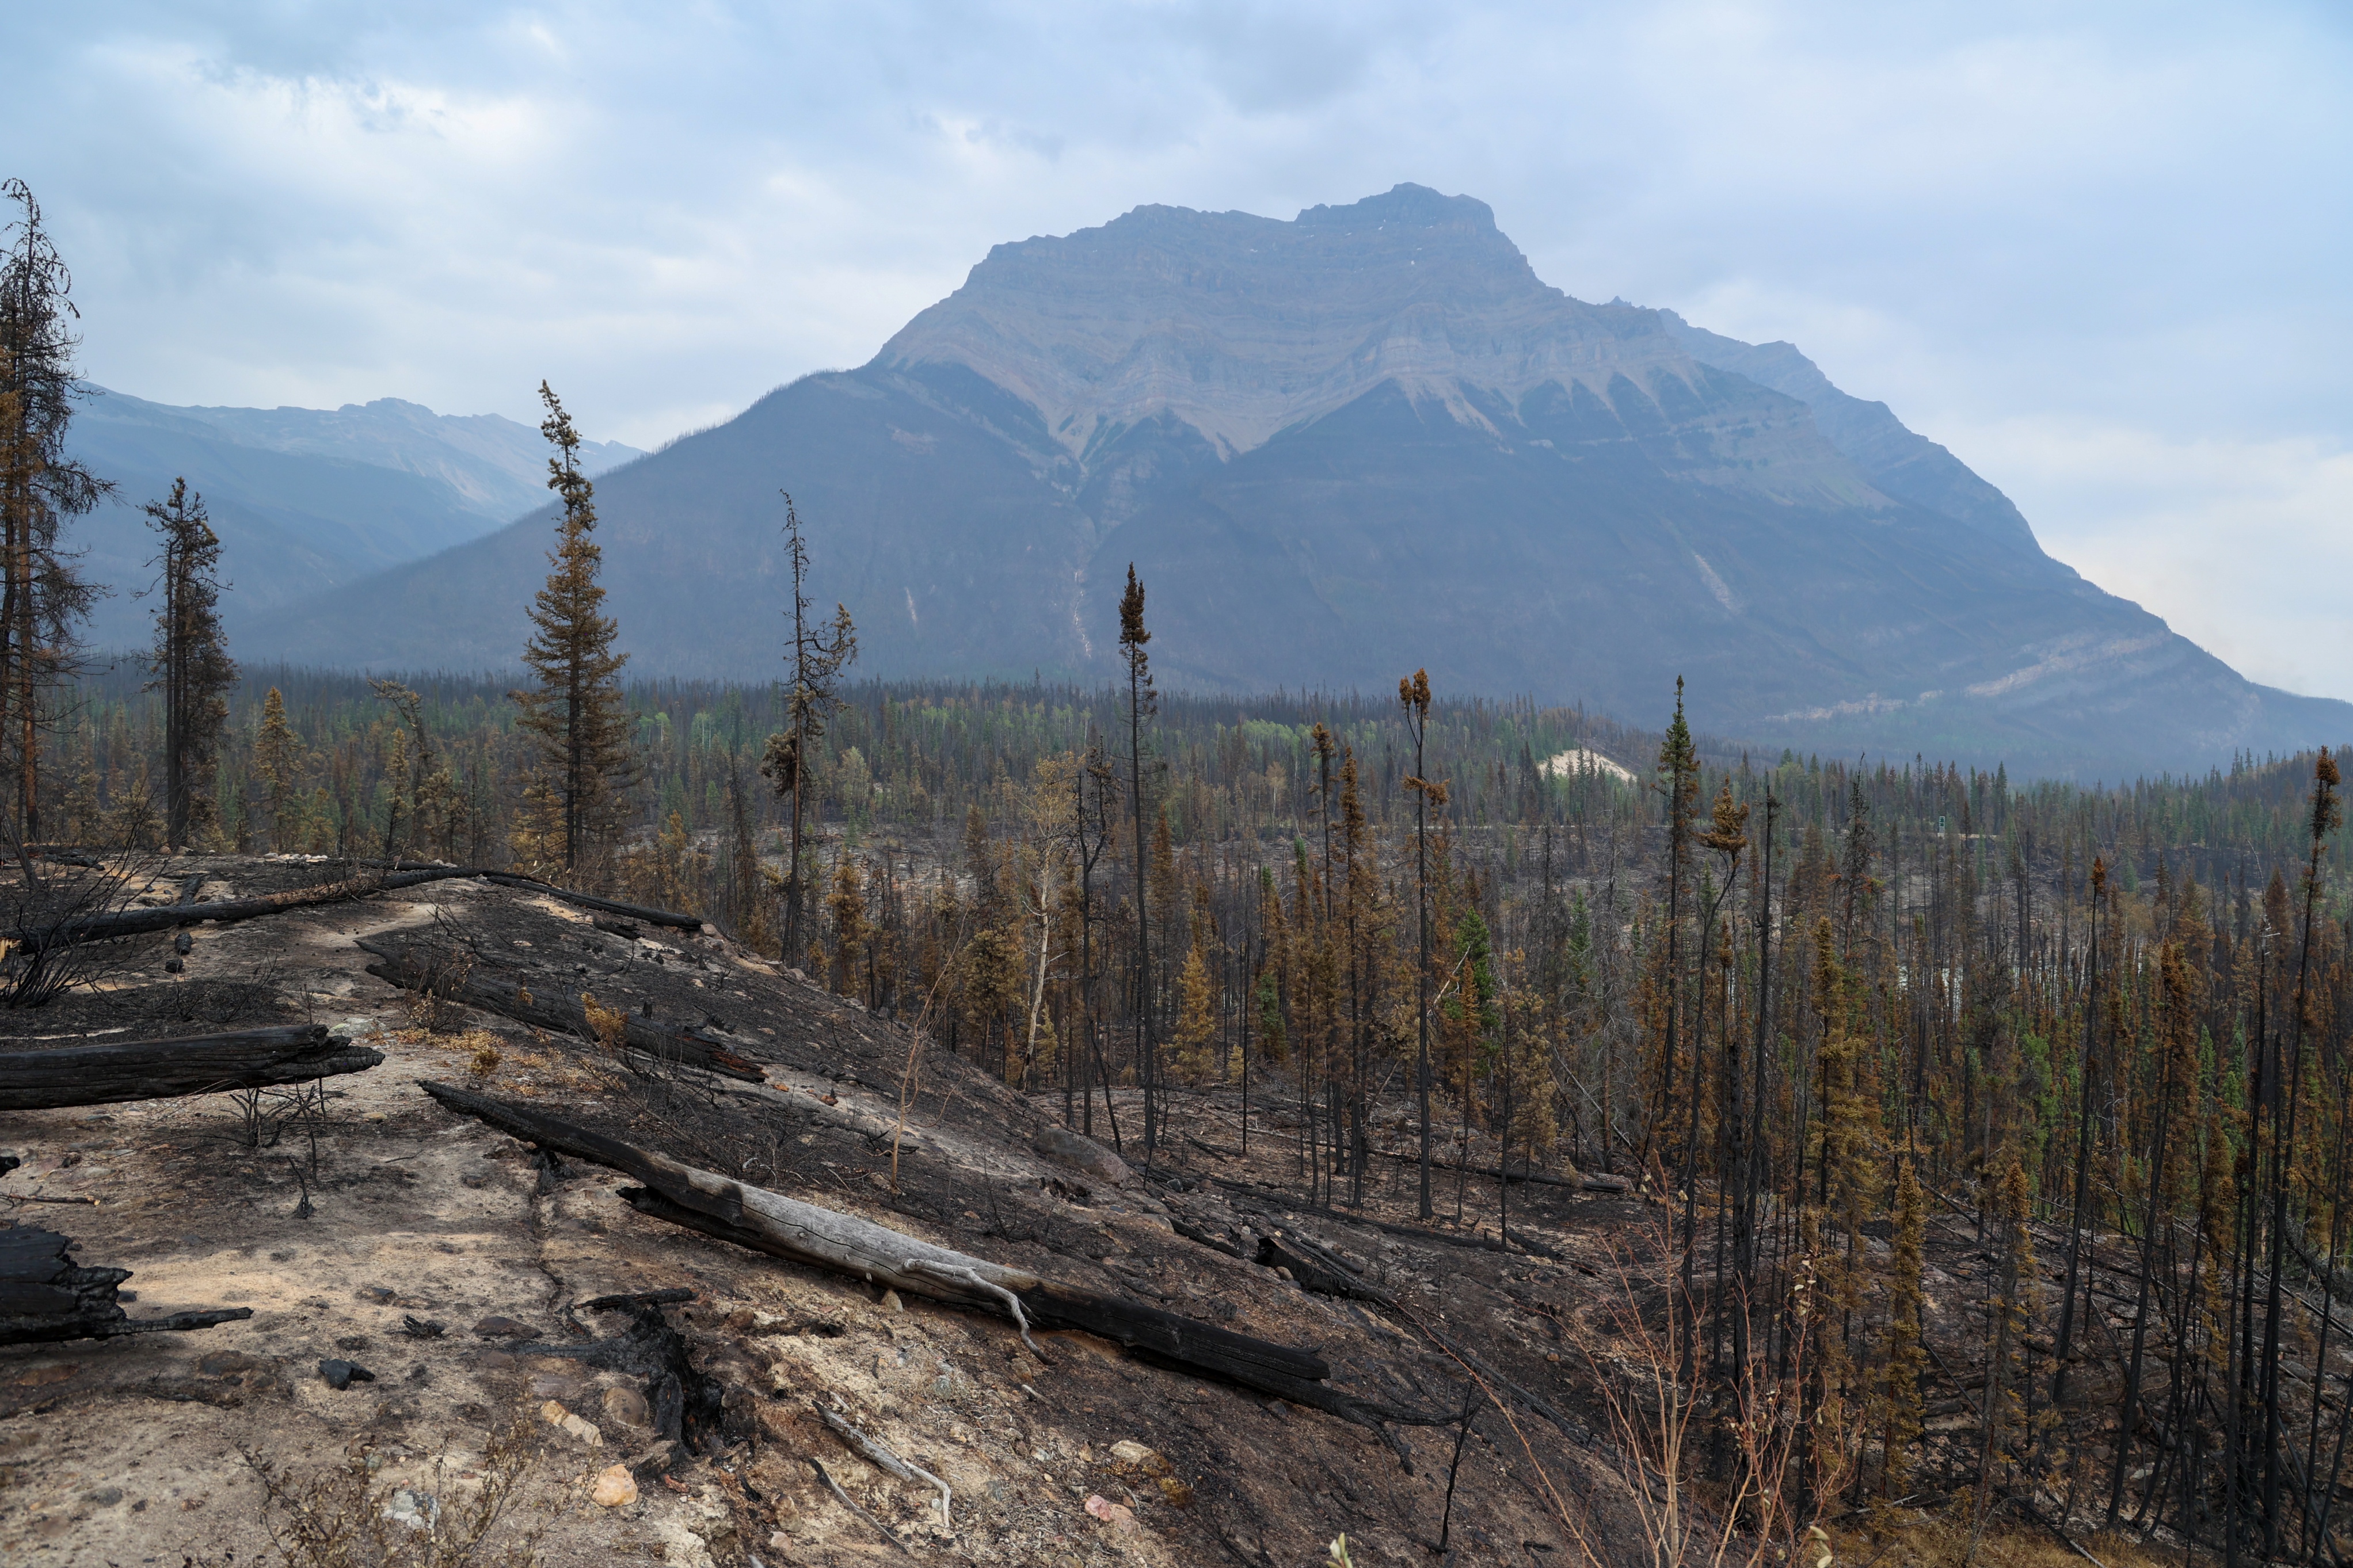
(338, 1224)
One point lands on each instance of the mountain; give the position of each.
(304, 500)
(1336, 449)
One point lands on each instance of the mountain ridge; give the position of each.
(1341, 447)
(304, 500)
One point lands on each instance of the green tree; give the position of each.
(277, 761)
(573, 718)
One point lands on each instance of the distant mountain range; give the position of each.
(304, 500)
(1338, 449)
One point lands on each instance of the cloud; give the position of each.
(1996, 217)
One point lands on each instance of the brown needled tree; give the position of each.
(190, 663)
(43, 599)
(574, 718)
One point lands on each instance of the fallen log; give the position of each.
(166, 1069)
(114, 923)
(558, 1010)
(826, 1238)
(1414, 1232)
(45, 1295)
(397, 875)
(1527, 1174)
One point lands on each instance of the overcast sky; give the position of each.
(2099, 251)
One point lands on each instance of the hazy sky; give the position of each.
(2100, 251)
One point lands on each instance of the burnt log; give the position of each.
(45, 1295)
(112, 923)
(166, 1069)
(844, 1244)
(560, 1010)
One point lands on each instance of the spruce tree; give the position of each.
(44, 598)
(277, 761)
(573, 718)
(190, 662)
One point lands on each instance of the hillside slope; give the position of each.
(1337, 450)
(304, 498)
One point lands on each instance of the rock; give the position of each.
(627, 1407)
(891, 1302)
(381, 1295)
(104, 1497)
(571, 1426)
(682, 1548)
(184, 944)
(417, 1511)
(496, 1327)
(341, 1374)
(1116, 1515)
(1135, 1457)
(423, 1328)
(1065, 1147)
(173, 965)
(615, 1487)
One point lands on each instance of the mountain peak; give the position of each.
(1408, 204)
(1241, 326)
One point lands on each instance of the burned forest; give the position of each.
(579, 1119)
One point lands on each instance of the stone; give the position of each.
(627, 1407)
(417, 1511)
(1117, 1515)
(104, 1497)
(1083, 1154)
(1135, 1457)
(341, 1374)
(891, 1302)
(615, 1487)
(497, 1328)
(573, 1427)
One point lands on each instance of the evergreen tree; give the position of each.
(43, 599)
(277, 761)
(190, 662)
(573, 718)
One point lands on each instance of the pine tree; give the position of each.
(277, 761)
(1907, 1360)
(1196, 1020)
(190, 662)
(574, 718)
(44, 598)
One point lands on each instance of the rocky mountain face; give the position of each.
(1342, 447)
(304, 500)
